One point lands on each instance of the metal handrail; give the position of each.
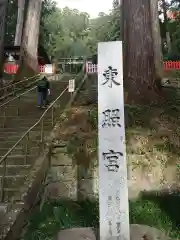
(17, 97)
(14, 85)
(27, 132)
(21, 94)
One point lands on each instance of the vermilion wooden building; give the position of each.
(14, 51)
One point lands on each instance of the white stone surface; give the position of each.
(113, 191)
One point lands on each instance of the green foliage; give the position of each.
(116, 21)
(48, 7)
(93, 117)
(173, 27)
(69, 32)
(11, 21)
(143, 213)
(58, 215)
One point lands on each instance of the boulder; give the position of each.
(77, 234)
(137, 232)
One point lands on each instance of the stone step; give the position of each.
(9, 206)
(20, 150)
(23, 113)
(18, 125)
(9, 144)
(32, 107)
(10, 214)
(13, 206)
(14, 181)
(14, 169)
(7, 136)
(9, 178)
(24, 122)
(12, 111)
(20, 159)
(31, 113)
(24, 117)
(4, 219)
(32, 95)
(3, 210)
(4, 136)
(11, 211)
(35, 111)
(9, 106)
(13, 192)
(24, 128)
(30, 98)
(31, 144)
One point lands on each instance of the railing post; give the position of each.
(5, 91)
(42, 130)
(3, 181)
(4, 118)
(52, 116)
(18, 110)
(26, 149)
(13, 90)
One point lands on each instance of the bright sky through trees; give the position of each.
(93, 7)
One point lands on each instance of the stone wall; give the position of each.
(67, 180)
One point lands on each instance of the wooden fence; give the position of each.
(10, 68)
(168, 65)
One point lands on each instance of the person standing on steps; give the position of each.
(43, 92)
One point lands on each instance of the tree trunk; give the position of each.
(3, 9)
(139, 65)
(31, 34)
(19, 25)
(158, 59)
(29, 47)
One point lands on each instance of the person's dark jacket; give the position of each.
(43, 85)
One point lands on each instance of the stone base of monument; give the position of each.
(137, 232)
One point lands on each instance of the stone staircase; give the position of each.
(89, 91)
(21, 161)
(13, 89)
